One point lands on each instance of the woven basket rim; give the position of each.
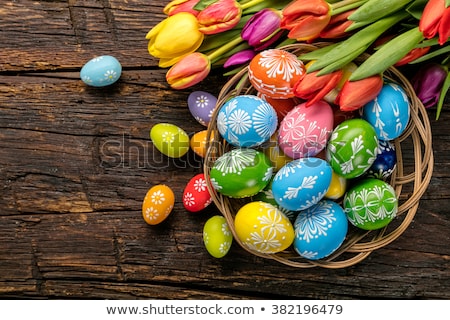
(359, 243)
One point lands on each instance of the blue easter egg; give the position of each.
(201, 105)
(101, 71)
(385, 162)
(320, 230)
(246, 121)
(389, 112)
(301, 183)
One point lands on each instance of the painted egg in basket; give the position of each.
(241, 172)
(371, 204)
(301, 183)
(201, 104)
(385, 162)
(304, 131)
(246, 121)
(352, 148)
(389, 112)
(196, 195)
(320, 230)
(273, 72)
(263, 228)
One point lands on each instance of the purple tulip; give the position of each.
(263, 27)
(428, 82)
(240, 58)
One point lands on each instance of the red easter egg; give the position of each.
(196, 195)
(273, 72)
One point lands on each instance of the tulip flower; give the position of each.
(412, 55)
(189, 71)
(173, 38)
(427, 83)
(262, 29)
(355, 94)
(338, 25)
(305, 19)
(177, 6)
(219, 16)
(313, 88)
(435, 20)
(240, 58)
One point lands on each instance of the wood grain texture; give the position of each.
(76, 162)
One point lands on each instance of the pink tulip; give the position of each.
(355, 94)
(177, 6)
(220, 16)
(189, 71)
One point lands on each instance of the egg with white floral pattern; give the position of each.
(261, 227)
(241, 172)
(101, 71)
(196, 195)
(170, 139)
(201, 104)
(217, 236)
(246, 121)
(320, 230)
(301, 183)
(385, 162)
(158, 204)
(389, 112)
(274, 72)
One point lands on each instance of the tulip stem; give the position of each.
(345, 5)
(225, 48)
(250, 4)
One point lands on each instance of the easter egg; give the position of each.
(198, 142)
(246, 121)
(170, 139)
(301, 183)
(385, 162)
(304, 131)
(101, 71)
(196, 195)
(157, 204)
(275, 154)
(281, 106)
(371, 204)
(201, 104)
(352, 148)
(273, 72)
(241, 173)
(389, 112)
(338, 186)
(261, 227)
(320, 230)
(217, 236)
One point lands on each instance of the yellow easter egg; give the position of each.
(158, 204)
(275, 154)
(337, 188)
(263, 228)
(170, 139)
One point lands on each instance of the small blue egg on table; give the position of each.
(101, 71)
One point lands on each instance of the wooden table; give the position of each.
(76, 162)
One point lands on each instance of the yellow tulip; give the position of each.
(174, 37)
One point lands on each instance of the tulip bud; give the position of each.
(337, 26)
(220, 16)
(240, 58)
(177, 6)
(427, 83)
(189, 71)
(355, 94)
(262, 27)
(435, 20)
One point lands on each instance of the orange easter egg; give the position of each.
(158, 204)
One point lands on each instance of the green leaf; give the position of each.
(373, 10)
(390, 53)
(317, 54)
(444, 90)
(415, 9)
(431, 55)
(203, 4)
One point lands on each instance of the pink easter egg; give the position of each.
(304, 131)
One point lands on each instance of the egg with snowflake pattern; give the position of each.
(261, 227)
(158, 204)
(201, 104)
(246, 121)
(320, 230)
(385, 162)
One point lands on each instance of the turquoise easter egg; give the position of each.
(101, 71)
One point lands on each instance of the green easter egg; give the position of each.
(217, 236)
(170, 140)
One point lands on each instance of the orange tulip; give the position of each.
(337, 26)
(435, 20)
(355, 94)
(176, 6)
(305, 19)
(220, 16)
(189, 71)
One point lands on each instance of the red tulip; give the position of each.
(220, 16)
(305, 19)
(337, 26)
(355, 94)
(412, 55)
(313, 88)
(435, 20)
(190, 70)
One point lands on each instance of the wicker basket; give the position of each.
(410, 179)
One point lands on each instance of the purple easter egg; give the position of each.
(201, 105)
